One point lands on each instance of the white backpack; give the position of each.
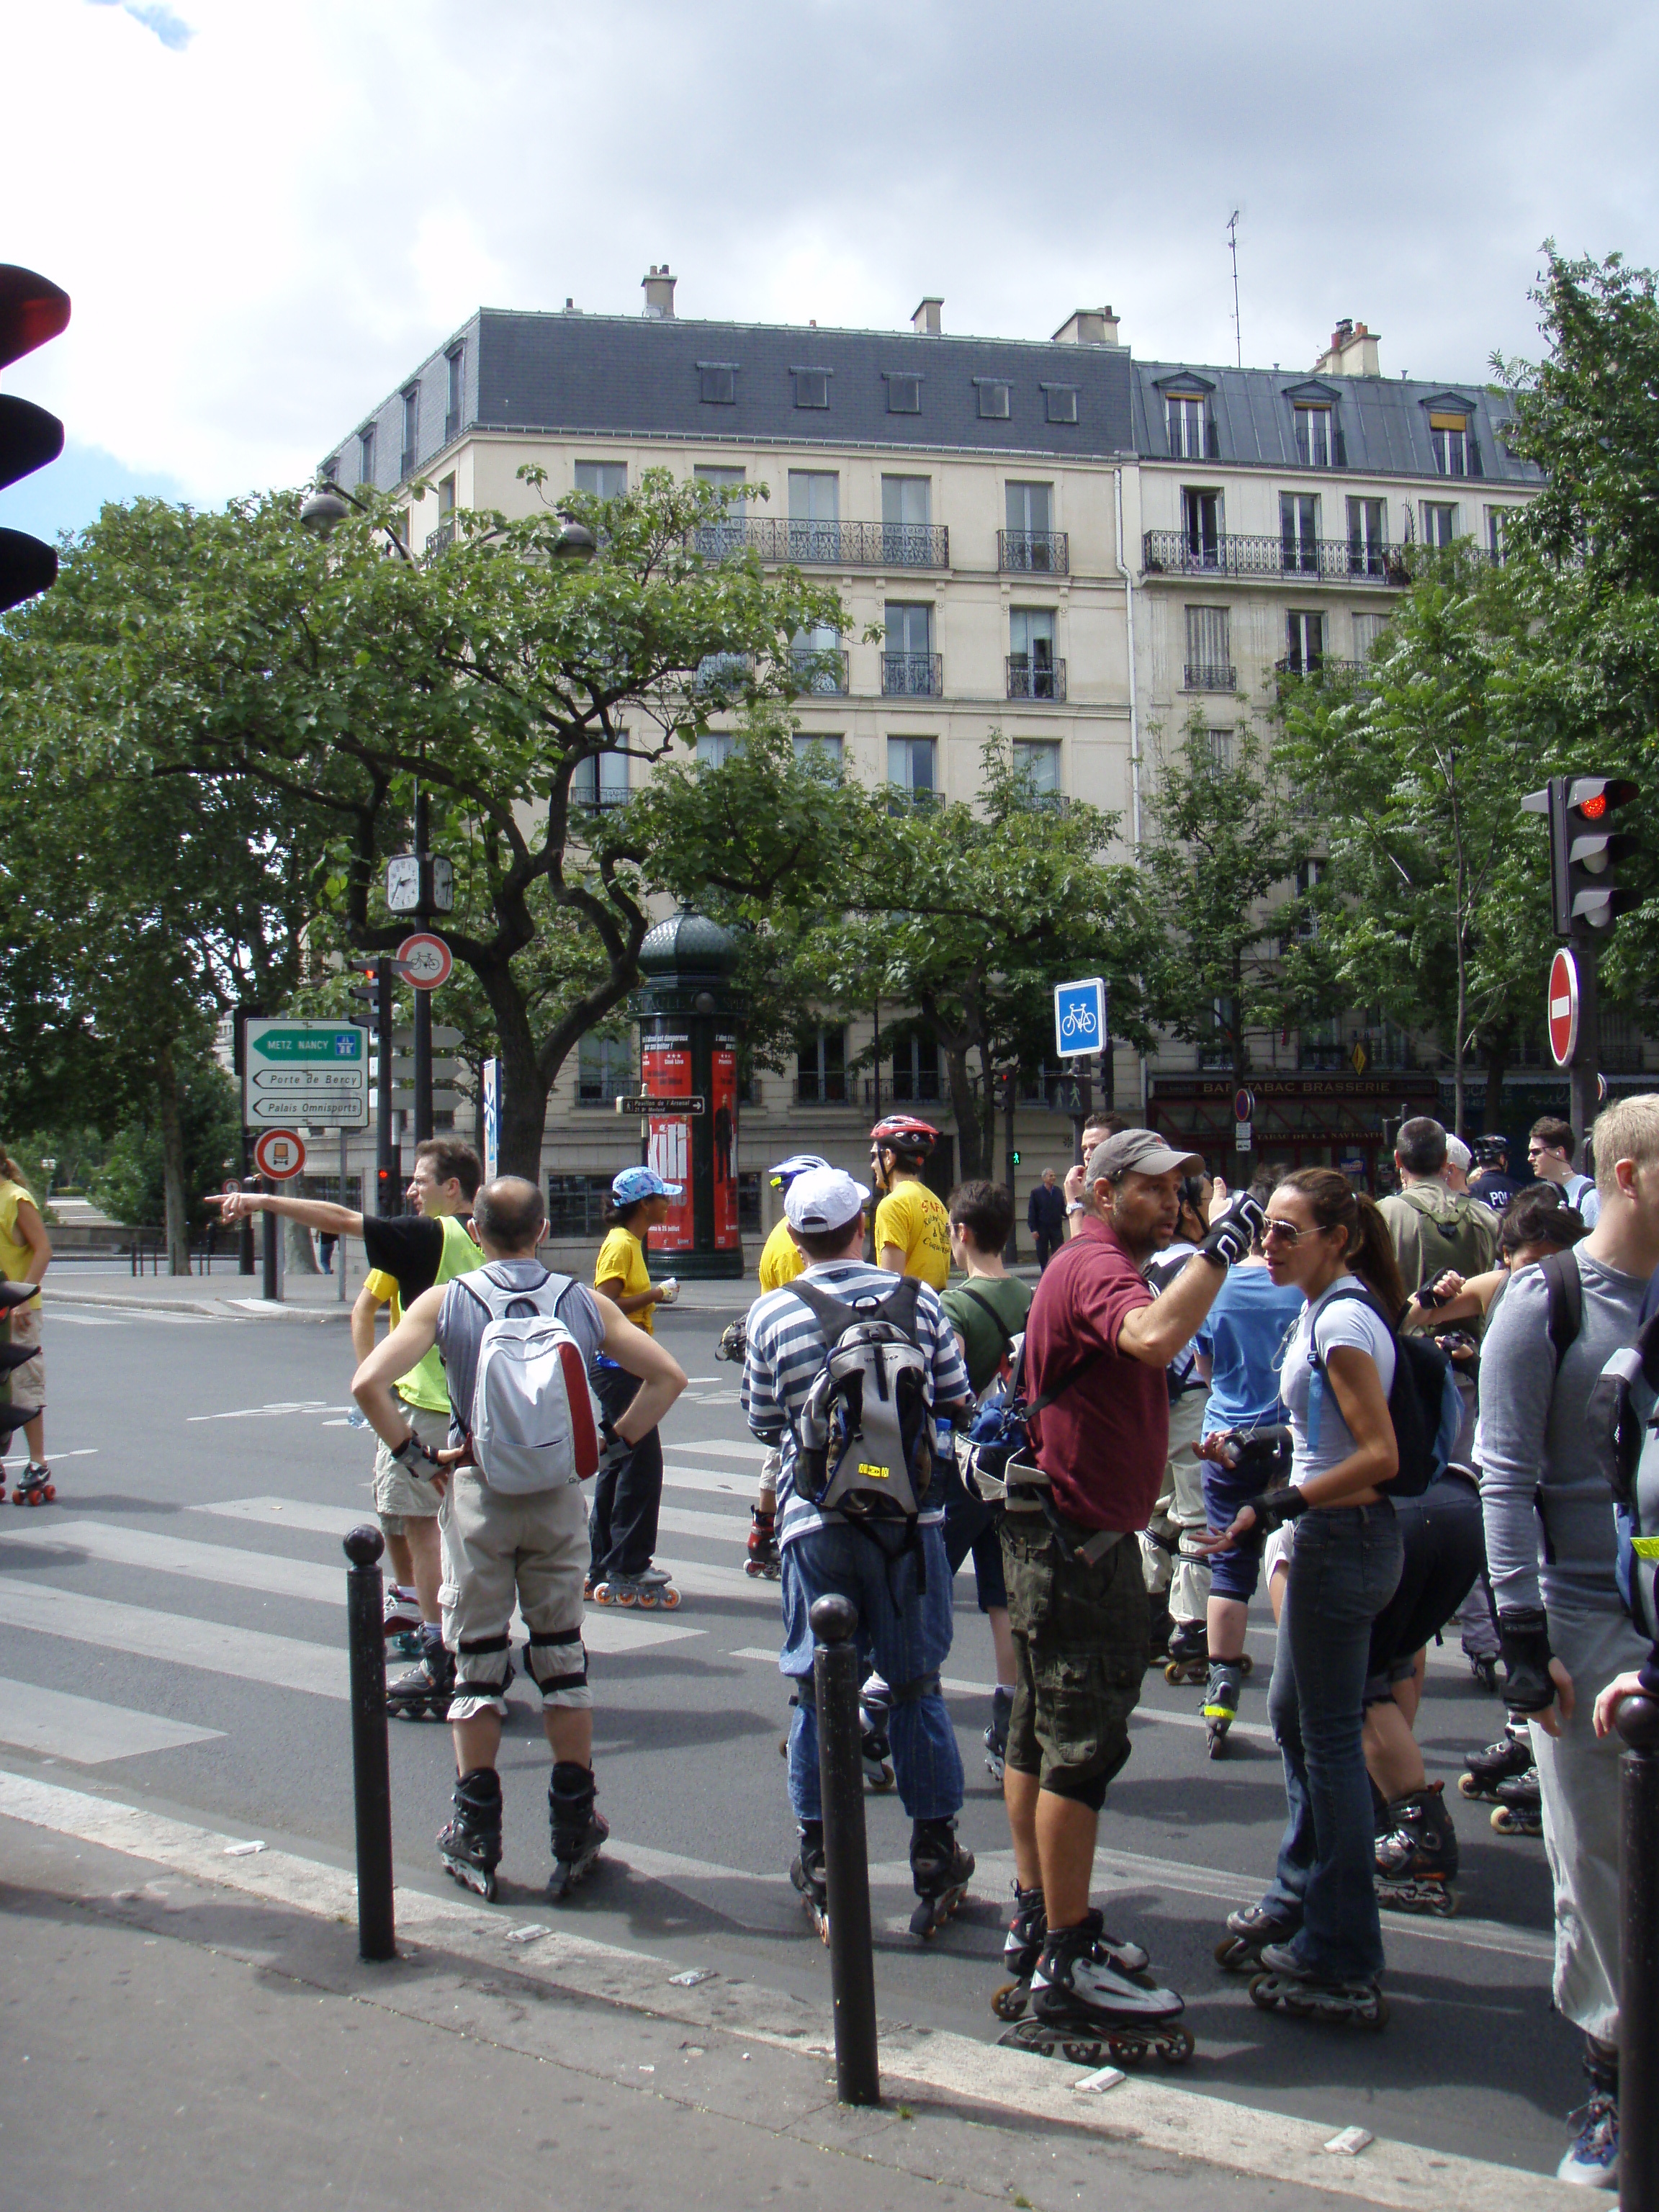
(532, 1425)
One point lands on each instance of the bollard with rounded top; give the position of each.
(1638, 1974)
(846, 1855)
(371, 1769)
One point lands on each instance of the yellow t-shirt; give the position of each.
(15, 1257)
(781, 1259)
(623, 1255)
(914, 1220)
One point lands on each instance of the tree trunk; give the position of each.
(1459, 1043)
(971, 1142)
(299, 1253)
(174, 1204)
(523, 1114)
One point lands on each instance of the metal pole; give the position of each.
(1638, 1966)
(340, 1243)
(1587, 1055)
(423, 998)
(269, 1287)
(245, 1235)
(846, 1863)
(370, 1768)
(386, 1196)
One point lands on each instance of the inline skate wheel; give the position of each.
(670, 1598)
(1009, 2002)
(1469, 1786)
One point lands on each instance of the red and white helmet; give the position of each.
(904, 1135)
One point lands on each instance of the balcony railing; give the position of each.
(1323, 668)
(868, 1092)
(1033, 552)
(912, 675)
(440, 540)
(820, 671)
(830, 545)
(1275, 560)
(1209, 676)
(1040, 680)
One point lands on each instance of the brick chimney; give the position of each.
(1352, 352)
(659, 289)
(926, 320)
(1088, 326)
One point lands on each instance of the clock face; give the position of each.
(403, 883)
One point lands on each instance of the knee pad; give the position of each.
(474, 1674)
(562, 1673)
(1088, 1789)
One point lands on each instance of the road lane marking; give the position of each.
(80, 1730)
(268, 1571)
(176, 1639)
(269, 1412)
(714, 1527)
(712, 1485)
(88, 1451)
(735, 1448)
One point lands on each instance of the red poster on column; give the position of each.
(724, 1106)
(665, 1068)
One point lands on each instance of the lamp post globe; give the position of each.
(576, 542)
(322, 511)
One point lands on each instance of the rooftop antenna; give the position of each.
(1232, 241)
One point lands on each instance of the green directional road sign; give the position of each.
(305, 1074)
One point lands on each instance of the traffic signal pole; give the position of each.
(1584, 1074)
(1586, 898)
(423, 917)
(385, 1173)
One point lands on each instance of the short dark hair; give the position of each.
(1109, 1125)
(1421, 1146)
(452, 1162)
(1539, 1215)
(986, 1211)
(511, 1212)
(825, 1243)
(1550, 1129)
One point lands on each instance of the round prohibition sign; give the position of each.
(425, 960)
(279, 1153)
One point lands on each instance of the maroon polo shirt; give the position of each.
(1104, 1443)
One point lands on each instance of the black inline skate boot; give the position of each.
(1502, 1761)
(1220, 1706)
(762, 1556)
(35, 1486)
(423, 1691)
(470, 1845)
(1285, 1986)
(875, 1704)
(996, 1733)
(1520, 1810)
(941, 1871)
(806, 1872)
(578, 1830)
(1189, 1653)
(1417, 1854)
(1027, 1931)
(1157, 1627)
(1483, 1665)
(1085, 2009)
(1247, 1931)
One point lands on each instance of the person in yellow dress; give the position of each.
(25, 1255)
(628, 1495)
(781, 1260)
(913, 1230)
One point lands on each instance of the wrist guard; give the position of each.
(410, 1452)
(1233, 1231)
(1524, 1635)
(1271, 1510)
(613, 1449)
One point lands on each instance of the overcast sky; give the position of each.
(266, 216)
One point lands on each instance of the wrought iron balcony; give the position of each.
(912, 675)
(1272, 560)
(1209, 676)
(1033, 552)
(1322, 667)
(1035, 680)
(831, 1088)
(819, 670)
(440, 541)
(830, 545)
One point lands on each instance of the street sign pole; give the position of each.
(385, 1197)
(341, 1244)
(423, 998)
(268, 1250)
(1587, 1060)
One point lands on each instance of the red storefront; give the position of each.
(1299, 1121)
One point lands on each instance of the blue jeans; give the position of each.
(910, 1634)
(1344, 1569)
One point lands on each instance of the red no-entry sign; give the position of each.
(279, 1153)
(1561, 1009)
(425, 959)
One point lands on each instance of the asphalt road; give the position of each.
(172, 1631)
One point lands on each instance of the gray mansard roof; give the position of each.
(1382, 422)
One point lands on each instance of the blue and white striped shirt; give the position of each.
(786, 1351)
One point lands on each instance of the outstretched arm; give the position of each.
(314, 1213)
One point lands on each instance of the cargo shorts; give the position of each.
(1080, 1634)
(400, 1496)
(29, 1381)
(499, 1551)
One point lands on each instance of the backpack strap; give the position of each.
(833, 1315)
(985, 1307)
(1565, 1286)
(507, 1293)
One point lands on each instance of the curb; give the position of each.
(208, 1309)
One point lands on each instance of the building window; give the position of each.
(1031, 663)
(821, 1068)
(366, 456)
(1217, 1049)
(727, 536)
(1203, 524)
(903, 395)
(1369, 631)
(716, 747)
(332, 469)
(1313, 436)
(811, 387)
(1368, 537)
(911, 767)
(915, 1068)
(1037, 760)
(1220, 743)
(1209, 665)
(1309, 875)
(819, 660)
(749, 1200)
(1192, 434)
(908, 667)
(1298, 532)
(1496, 525)
(576, 1206)
(600, 782)
(411, 430)
(1305, 643)
(606, 1068)
(1439, 523)
(455, 364)
(602, 479)
(1062, 402)
(1031, 509)
(814, 495)
(993, 398)
(717, 383)
(818, 752)
(1449, 437)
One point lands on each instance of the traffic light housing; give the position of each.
(1014, 1159)
(1584, 850)
(33, 309)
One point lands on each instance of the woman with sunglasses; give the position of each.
(1314, 1942)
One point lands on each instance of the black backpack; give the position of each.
(1423, 1400)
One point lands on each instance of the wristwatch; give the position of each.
(1076, 1205)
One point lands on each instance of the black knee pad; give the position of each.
(470, 1648)
(557, 1641)
(1088, 1789)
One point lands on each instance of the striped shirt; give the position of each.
(787, 1349)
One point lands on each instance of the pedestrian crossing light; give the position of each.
(1585, 849)
(1014, 1158)
(32, 310)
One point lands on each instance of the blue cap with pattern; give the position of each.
(634, 1183)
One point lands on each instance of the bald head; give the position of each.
(510, 1217)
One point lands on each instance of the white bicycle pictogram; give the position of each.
(1078, 1021)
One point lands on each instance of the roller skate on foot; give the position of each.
(1417, 1854)
(470, 1847)
(1027, 1931)
(423, 1692)
(1248, 1929)
(403, 1621)
(1283, 1985)
(1520, 1810)
(875, 1704)
(763, 1552)
(1502, 1761)
(941, 1871)
(648, 1589)
(806, 1872)
(996, 1733)
(1157, 1627)
(35, 1486)
(578, 1830)
(1483, 1665)
(1189, 1653)
(1086, 2009)
(1592, 2157)
(1220, 1706)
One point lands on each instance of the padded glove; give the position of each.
(1233, 1231)
(1524, 1634)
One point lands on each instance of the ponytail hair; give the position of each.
(1369, 1249)
(8, 1167)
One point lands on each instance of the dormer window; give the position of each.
(993, 398)
(811, 387)
(1186, 415)
(1449, 437)
(903, 394)
(1062, 402)
(1314, 444)
(717, 383)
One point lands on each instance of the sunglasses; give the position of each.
(1286, 1231)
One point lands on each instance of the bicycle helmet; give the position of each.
(904, 1135)
(1492, 1151)
(784, 1174)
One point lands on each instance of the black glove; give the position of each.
(1273, 1509)
(1233, 1231)
(1525, 1638)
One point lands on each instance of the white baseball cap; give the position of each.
(824, 1199)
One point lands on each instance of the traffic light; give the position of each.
(1014, 1159)
(32, 310)
(1583, 848)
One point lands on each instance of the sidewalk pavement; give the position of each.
(186, 2023)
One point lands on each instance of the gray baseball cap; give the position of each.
(1142, 1150)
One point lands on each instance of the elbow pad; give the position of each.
(1525, 1638)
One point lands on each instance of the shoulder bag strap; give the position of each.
(1565, 1286)
(985, 1307)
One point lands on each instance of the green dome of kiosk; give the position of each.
(689, 944)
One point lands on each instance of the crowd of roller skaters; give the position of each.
(1393, 1415)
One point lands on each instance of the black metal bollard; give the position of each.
(847, 1858)
(370, 1766)
(1638, 1960)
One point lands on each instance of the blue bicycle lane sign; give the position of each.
(1079, 1016)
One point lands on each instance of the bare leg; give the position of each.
(569, 1731)
(403, 1564)
(420, 1541)
(1065, 1849)
(1019, 1793)
(1226, 1617)
(476, 1741)
(35, 1432)
(1002, 1641)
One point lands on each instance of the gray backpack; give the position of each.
(532, 1426)
(863, 1439)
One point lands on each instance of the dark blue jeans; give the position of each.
(622, 1523)
(909, 1631)
(1343, 1572)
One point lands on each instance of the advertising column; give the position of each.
(665, 1068)
(723, 1107)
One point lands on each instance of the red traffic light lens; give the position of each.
(1594, 809)
(32, 310)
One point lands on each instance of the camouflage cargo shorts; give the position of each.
(1080, 1633)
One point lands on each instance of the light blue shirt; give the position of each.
(1243, 1338)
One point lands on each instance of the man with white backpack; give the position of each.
(517, 1343)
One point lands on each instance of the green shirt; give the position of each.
(983, 1342)
(426, 1384)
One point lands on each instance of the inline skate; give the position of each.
(1247, 1931)
(1285, 1985)
(806, 1872)
(1157, 1627)
(1189, 1653)
(35, 1486)
(996, 1733)
(423, 1692)
(762, 1557)
(403, 1621)
(649, 1589)
(1502, 1761)
(875, 1704)
(1520, 1810)
(941, 1871)
(1483, 1665)
(1086, 2009)
(470, 1847)
(734, 1340)
(1220, 1706)
(578, 1830)
(1417, 1854)
(1022, 1947)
